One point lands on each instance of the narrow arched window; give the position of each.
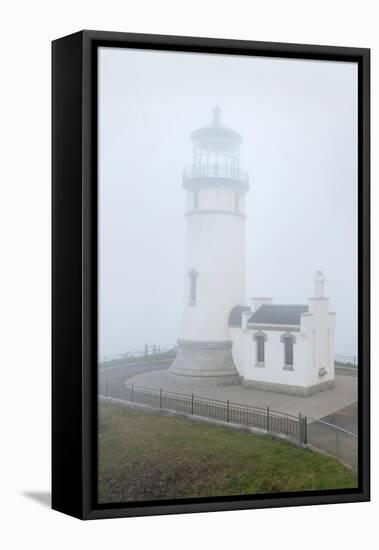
(236, 201)
(260, 339)
(260, 349)
(193, 275)
(196, 200)
(288, 340)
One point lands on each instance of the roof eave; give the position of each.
(273, 326)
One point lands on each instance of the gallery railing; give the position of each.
(215, 171)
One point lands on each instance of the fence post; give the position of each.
(268, 419)
(337, 445)
(132, 392)
(305, 431)
(192, 404)
(160, 398)
(227, 410)
(106, 387)
(300, 429)
(355, 466)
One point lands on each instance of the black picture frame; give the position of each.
(74, 272)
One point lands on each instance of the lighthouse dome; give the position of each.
(216, 136)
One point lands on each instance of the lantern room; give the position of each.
(216, 156)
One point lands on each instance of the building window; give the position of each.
(260, 338)
(288, 351)
(288, 340)
(260, 349)
(193, 275)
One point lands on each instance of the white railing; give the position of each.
(215, 171)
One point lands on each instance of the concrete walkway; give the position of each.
(346, 418)
(317, 406)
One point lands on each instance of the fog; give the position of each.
(298, 120)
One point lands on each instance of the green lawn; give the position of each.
(146, 456)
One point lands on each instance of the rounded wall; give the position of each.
(215, 249)
(237, 336)
(204, 363)
(217, 199)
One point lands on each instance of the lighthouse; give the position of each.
(214, 273)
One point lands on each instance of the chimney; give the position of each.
(319, 280)
(258, 302)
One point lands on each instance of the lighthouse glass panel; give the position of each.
(227, 208)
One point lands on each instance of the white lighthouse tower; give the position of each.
(215, 256)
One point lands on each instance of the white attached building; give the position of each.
(273, 347)
(286, 348)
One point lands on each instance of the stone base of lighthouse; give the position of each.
(206, 363)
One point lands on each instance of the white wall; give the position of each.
(313, 349)
(273, 370)
(319, 328)
(216, 198)
(27, 30)
(311, 353)
(239, 349)
(215, 248)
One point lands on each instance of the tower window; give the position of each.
(260, 339)
(196, 200)
(288, 340)
(193, 275)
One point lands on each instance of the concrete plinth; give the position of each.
(204, 364)
(305, 391)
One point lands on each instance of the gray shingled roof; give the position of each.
(235, 315)
(278, 314)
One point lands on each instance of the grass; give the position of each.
(150, 457)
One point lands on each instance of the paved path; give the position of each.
(317, 406)
(117, 375)
(341, 445)
(337, 406)
(346, 418)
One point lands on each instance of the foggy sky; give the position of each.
(298, 120)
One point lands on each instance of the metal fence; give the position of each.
(148, 352)
(247, 415)
(335, 441)
(346, 361)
